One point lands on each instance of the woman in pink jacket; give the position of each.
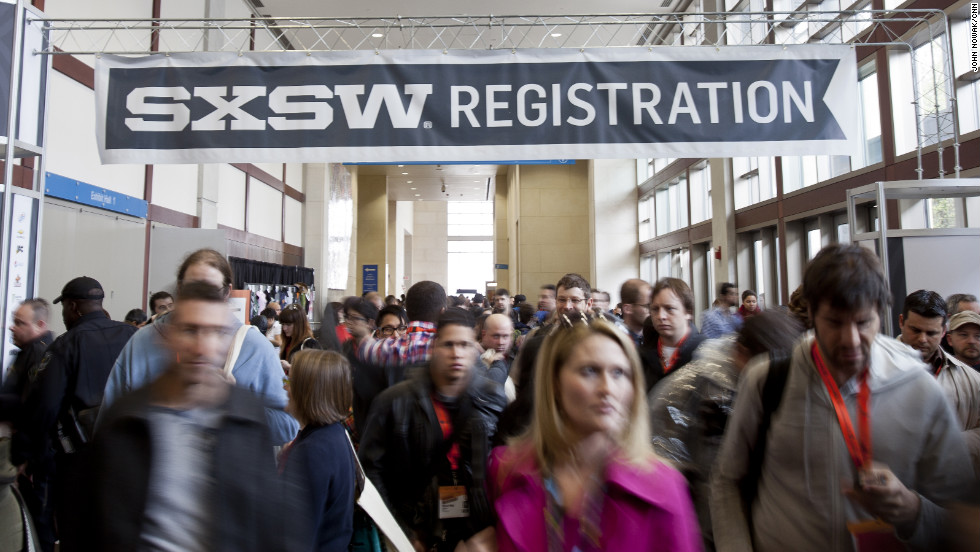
(584, 477)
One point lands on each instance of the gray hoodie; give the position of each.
(800, 505)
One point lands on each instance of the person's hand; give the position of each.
(285, 366)
(418, 546)
(883, 495)
(484, 541)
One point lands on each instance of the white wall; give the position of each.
(294, 222)
(175, 187)
(430, 260)
(71, 146)
(231, 194)
(77, 240)
(615, 234)
(264, 210)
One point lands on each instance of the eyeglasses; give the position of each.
(354, 318)
(573, 300)
(388, 331)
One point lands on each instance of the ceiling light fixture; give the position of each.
(377, 35)
(555, 35)
(405, 173)
(409, 182)
(415, 188)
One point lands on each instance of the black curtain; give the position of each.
(257, 272)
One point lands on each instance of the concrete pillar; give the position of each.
(371, 229)
(723, 220)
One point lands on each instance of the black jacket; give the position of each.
(73, 374)
(15, 392)
(403, 451)
(248, 502)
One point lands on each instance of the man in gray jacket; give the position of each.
(862, 446)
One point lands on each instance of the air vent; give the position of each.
(258, 3)
(665, 4)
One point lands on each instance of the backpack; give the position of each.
(772, 396)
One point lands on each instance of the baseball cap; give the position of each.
(963, 318)
(82, 287)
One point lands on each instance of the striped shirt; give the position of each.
(415, 347)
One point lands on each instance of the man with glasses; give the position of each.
(635, 295)
(391, 322)
(573, 294)
(367, 380)
(186, 463)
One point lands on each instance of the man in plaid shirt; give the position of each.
(424, 302)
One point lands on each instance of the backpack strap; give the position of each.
(772, 395)
(233, 352)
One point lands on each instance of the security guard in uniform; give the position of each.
(68, 385)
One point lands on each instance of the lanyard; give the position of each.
(669, 365)
(860, 449)
(420, 329)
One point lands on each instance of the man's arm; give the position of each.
(730, 518)
(380, 352)
(710, 324)
(373, 445)
(48, 388)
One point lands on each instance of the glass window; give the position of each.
(671, 205)
(754, 180)
(470, 261)
(700, 192)
(470, 218)
(870, 114)
(645, 218)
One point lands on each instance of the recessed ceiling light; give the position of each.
(417, 195)
(555, 35)
(415, 188)
(409, 182)
(400, 166)
(377, 35)
(477, 181)
(405, 173)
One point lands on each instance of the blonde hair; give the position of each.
(320, 387)
(549, 434)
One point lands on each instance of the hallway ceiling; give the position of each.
(425, 182)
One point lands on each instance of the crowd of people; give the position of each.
(488, 423)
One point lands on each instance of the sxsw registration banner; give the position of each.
(427, 105)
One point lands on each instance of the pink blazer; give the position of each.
(644, 509)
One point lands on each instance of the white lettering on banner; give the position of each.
(610, 88)
(308, 107)
(241, 95)
(279, 102)
(179, 113)
(400, 118)
(540, 107)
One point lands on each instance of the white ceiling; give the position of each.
(426, 182)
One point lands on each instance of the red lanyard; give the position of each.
(446, 424)
(860, 449)
(669, 365)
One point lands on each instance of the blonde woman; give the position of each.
(584, 476)
(320, 462)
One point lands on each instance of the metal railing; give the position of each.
(932, 73)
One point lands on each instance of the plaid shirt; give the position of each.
(415, 347)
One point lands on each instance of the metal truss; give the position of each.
(923, 33)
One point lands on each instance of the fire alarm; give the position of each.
(718, 252)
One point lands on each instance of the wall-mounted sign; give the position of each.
(425, 105)
(369, 278)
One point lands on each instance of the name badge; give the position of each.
(453, 502)
(874, 536)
